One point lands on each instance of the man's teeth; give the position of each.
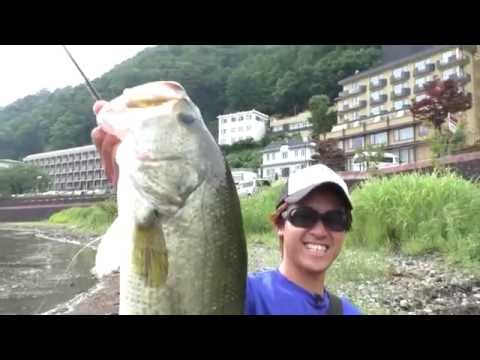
(317, 248)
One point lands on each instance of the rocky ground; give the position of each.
(425, 285)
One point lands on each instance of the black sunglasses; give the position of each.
(306, 217)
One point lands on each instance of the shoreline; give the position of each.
(422, 285)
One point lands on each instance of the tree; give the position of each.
(322, 118)
(443, 98)
(20, 179)
(370, 155)
(327, 152)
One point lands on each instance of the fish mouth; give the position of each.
(153, 94)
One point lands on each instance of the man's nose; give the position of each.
(319, 229)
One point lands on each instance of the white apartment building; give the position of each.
(241, 126)
(76, 168)
(280, 159)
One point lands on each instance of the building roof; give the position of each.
(291, 143)
(397, 63)
(242, 112)
(74, 150)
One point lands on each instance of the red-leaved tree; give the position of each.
(443, 97)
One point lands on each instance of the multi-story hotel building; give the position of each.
(241, 126)
(297, 124)
(373, 106)
(76, 168)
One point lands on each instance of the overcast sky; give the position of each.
(26, 69)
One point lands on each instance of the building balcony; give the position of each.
(347, 108)
(405, 75)
(452, 61)
(374, 123)
(359, 90)
(378, 85)
(429, 68)
(417, 89)
(461, 79)
(400, 94)
(380, 100)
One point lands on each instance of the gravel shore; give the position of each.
(425, 285)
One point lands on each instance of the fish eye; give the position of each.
(186, 118)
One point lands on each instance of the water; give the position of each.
(32, 272)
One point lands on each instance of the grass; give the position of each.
(96, 218)
(418, 214)
(256, 211)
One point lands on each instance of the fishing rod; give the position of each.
(90, 88)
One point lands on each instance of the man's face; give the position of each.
(312, 250)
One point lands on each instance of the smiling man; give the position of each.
(311, 219)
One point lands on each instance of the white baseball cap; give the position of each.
(301, 183)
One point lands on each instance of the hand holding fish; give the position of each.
(106, 145)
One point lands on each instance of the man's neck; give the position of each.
(313, 282)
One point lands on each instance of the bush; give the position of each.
(418, 214)
(256, 212)
(96, 218)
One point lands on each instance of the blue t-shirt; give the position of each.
(271, 293)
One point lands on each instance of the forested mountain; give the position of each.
(277, 80)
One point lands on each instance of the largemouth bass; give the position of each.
(178, 240)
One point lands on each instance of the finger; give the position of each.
(98, 106)
(108, 156)
(98, 136)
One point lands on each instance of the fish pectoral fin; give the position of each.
(109, 250)
(150, 258)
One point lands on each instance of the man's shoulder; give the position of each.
(349, 308)
(259, 277)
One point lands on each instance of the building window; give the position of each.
(234, 119)
(258, 118)
(296, 153)
(378, 139)
(273, 156)
(355, 143)
(405, 155)
(399, 88)
(354, 116)
(248, 127)
(403, 134)
(240, 128)
(284, 155)
(268, 156)
(249, 117)
(397, 73)
(421, 65)
(376, 95)
(340, 144)
(302, 153)
(376, 110)
(447, 74)
(224, 131)
(375, 80)
(240, 118)
(446, 56)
